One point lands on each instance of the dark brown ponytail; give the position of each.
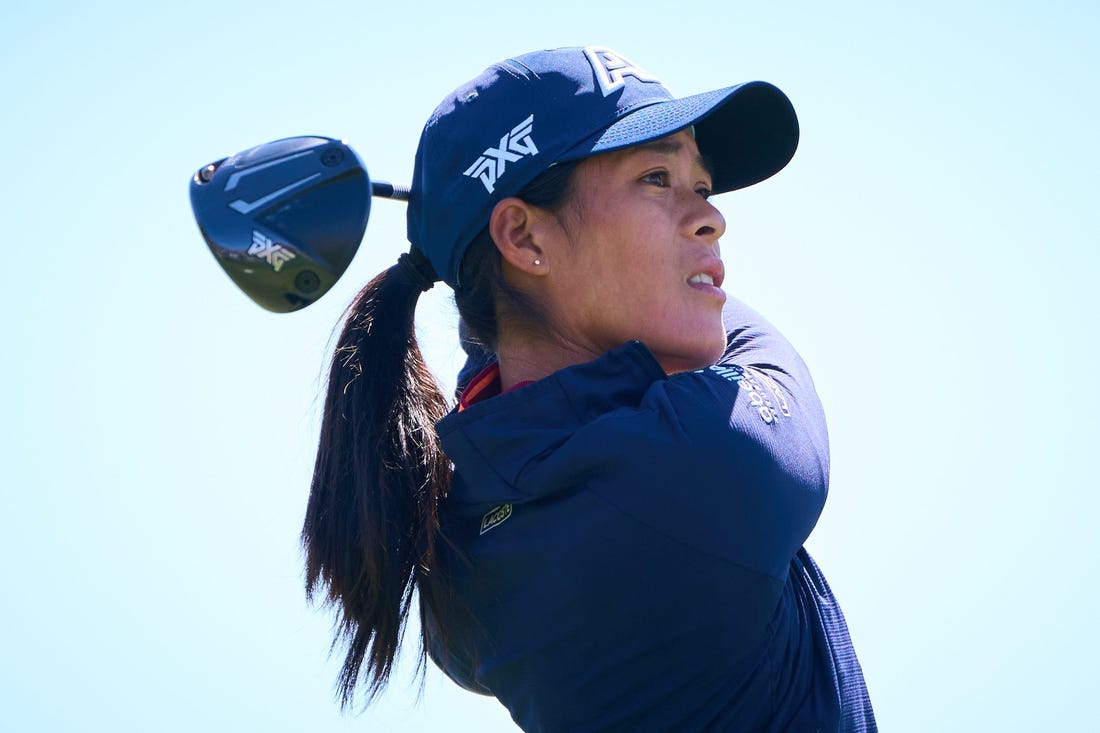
(370, 525)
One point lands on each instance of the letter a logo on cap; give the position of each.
(611, 69)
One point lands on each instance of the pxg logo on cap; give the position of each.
(610, 69)
(513, 145)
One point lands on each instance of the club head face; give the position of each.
(284, 219)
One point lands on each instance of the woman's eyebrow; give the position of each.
(667, 146)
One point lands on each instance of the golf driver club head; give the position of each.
(285, 219)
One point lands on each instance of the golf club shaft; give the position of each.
(387, 190)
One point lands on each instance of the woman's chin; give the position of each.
(698, 356)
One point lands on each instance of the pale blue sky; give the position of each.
(932, 250)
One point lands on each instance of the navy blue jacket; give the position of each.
(625, 548)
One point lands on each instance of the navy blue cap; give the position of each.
(495, 134)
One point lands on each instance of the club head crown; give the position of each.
(284, 219)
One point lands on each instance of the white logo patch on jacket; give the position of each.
(495, 517)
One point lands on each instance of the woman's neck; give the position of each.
(524, 358)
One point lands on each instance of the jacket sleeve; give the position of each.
(731, 459)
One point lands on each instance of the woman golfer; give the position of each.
(606, 532)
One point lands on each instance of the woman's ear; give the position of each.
(520, 233)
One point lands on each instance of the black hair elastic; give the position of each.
(417, 266)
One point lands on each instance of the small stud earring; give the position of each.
(538, 262)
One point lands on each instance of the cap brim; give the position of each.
(746, 133)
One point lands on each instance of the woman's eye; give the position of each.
(703, 191)
(657, 178)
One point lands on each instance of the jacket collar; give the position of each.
(493, 442)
